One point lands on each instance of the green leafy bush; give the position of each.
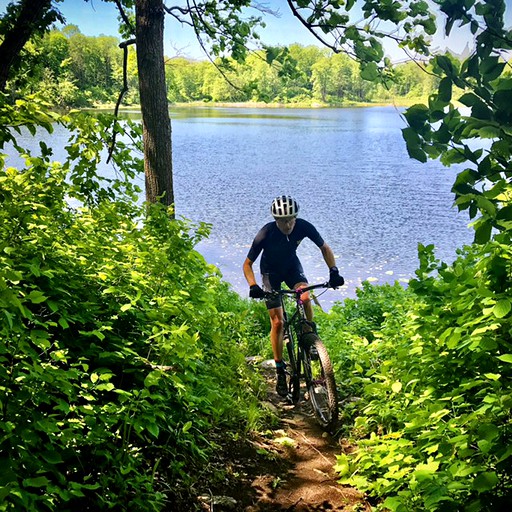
(351, 329)
(433, 423)
(119, 350)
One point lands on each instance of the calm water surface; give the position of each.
(348, 169)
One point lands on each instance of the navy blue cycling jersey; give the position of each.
(279, 250)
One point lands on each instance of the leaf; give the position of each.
(9, 318)
(485, 481)
(125, 307)
(52, 457)
(370, 71)
(4, 492)
(40, 481)
(36, 297)
(488, 431)
(417, 116)
(342, 465)
(187, 426)
(396, 387)
(410, 136)
(445, 90)
(483, 233)
(40, 338)
(486, 206)
(484, 445)
(453, 340)
(504, 453)
(393, 503)
(63, 323)
(453, 156)
(503, 100)
(469, 99)
(153, 429)
(98, 335)
(481, 111)
(417, 154)
(505, 213)
(506, 358)
(489, 132)
(425, 471)
(271, 54)
(491, 67)
(502, 308)
(152, 378)
(445, 64)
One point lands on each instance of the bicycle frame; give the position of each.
(298, 318)
(293, 329)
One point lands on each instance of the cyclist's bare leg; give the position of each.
(276, 337)
(276, 332)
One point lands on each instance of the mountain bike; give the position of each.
(308, 359)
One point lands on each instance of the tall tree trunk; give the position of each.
(156, 123)
(31, 14)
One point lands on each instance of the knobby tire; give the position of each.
(321, 385)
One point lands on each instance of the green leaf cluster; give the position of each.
(293, 74)
(468, 120)
(70, 69)
(119, 346)
(425, 375)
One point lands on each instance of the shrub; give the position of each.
(119, 356)
(433, 422)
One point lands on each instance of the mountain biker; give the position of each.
(279, 263)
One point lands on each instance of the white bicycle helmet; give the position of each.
(284, 206)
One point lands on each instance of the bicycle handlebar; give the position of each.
(297, 292)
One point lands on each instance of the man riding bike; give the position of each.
(278, 242)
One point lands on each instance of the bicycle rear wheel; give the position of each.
(320, 382)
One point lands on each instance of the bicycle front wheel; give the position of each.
(294, 373)
(320, 382)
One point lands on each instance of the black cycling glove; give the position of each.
(335, 279)
(255, 292)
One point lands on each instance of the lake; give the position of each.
(348, 169)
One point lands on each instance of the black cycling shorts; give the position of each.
(273, 281)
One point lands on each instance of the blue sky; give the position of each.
(96, 17)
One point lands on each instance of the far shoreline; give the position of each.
(399, 103)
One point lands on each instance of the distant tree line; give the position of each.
(316, 75)
(73, 70)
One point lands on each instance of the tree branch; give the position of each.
(124, 45)
(124, 16)
(296, 13)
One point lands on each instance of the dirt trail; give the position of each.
(288, 468)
